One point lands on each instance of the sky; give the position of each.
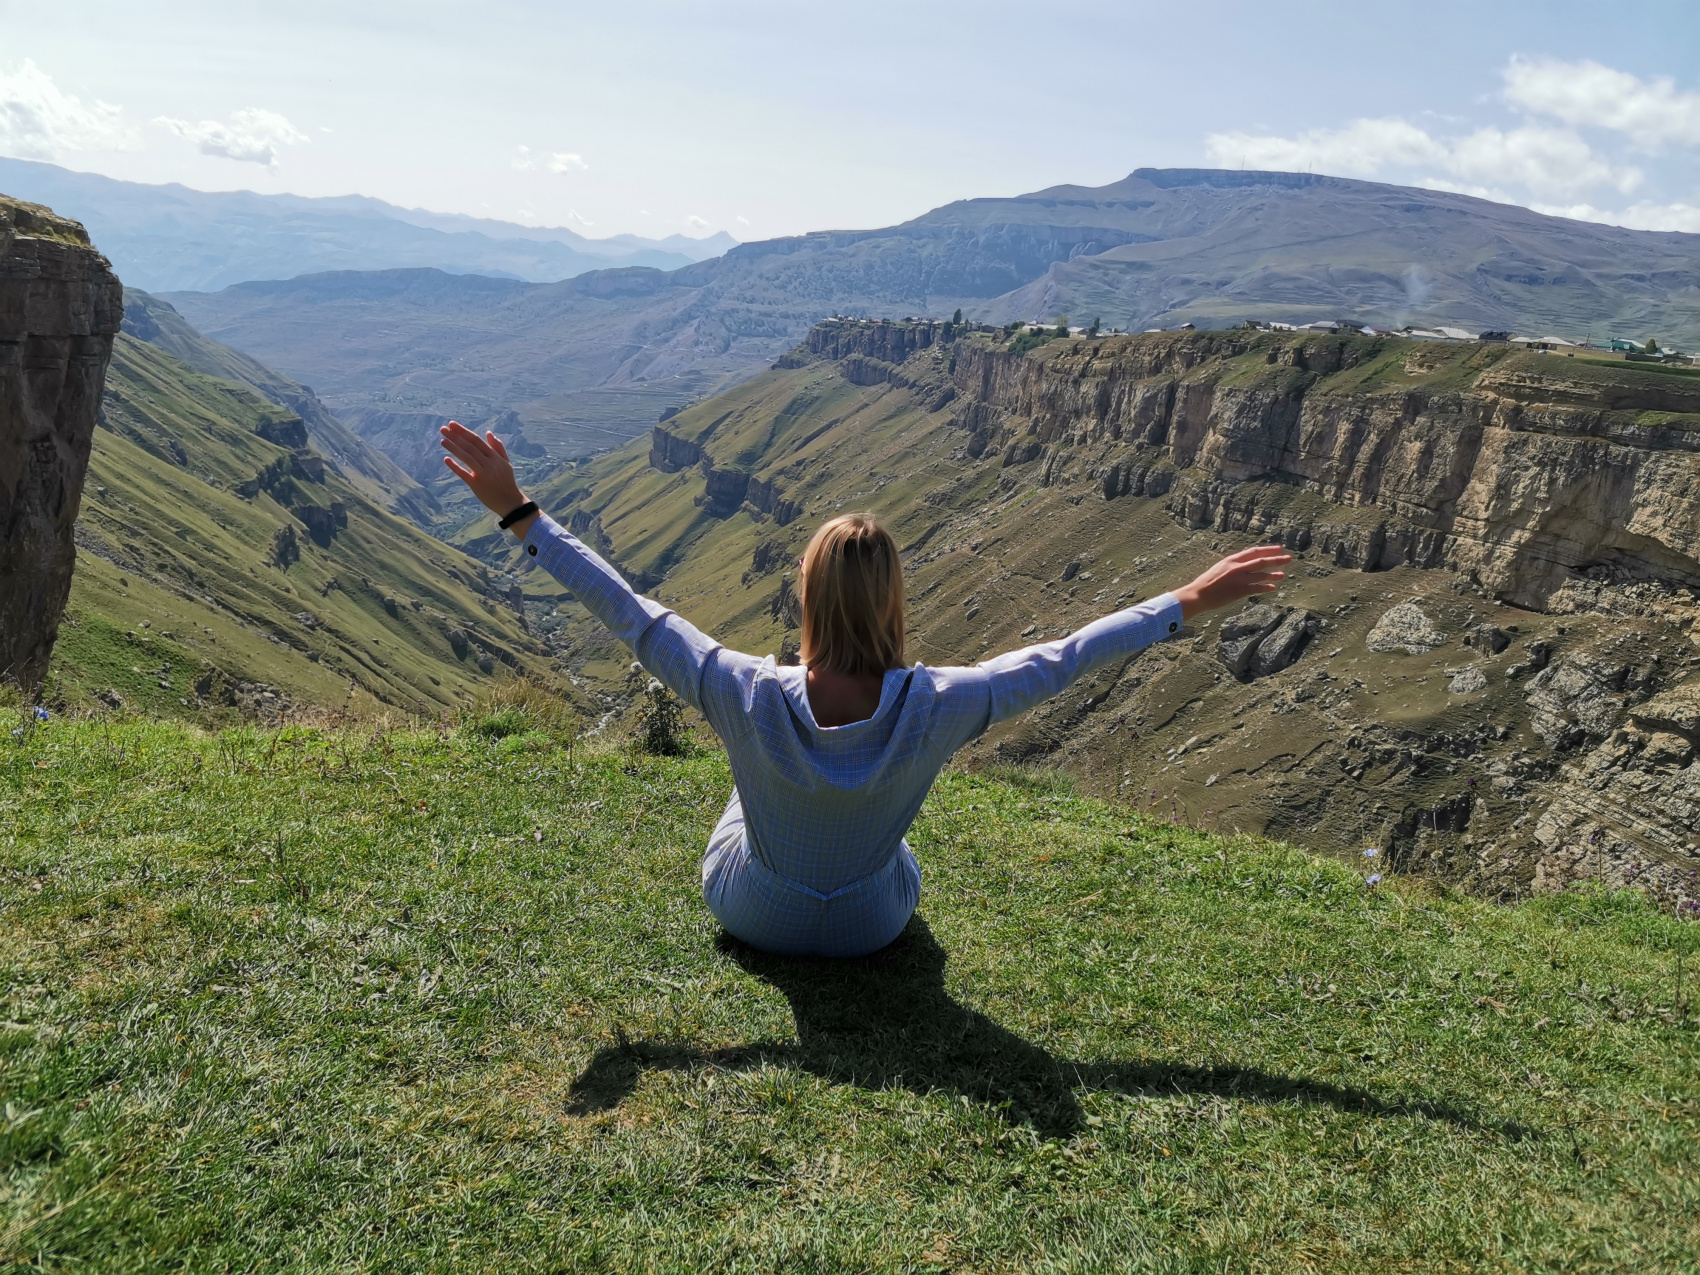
(768, 119)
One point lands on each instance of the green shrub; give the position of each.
(661, 716)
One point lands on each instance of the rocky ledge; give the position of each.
(60, 308)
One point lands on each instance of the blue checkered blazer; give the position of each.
(809, 857)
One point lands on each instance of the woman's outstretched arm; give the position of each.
(671, 648)
(1021, 679)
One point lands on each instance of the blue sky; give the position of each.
(764, 119)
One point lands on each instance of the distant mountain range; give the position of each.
(171, 237)
(592, 360)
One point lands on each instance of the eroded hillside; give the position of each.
(226, 567)
(1482, 666)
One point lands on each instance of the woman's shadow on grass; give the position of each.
(886, 1022)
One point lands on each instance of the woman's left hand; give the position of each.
(1240, 575)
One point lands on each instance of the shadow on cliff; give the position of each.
(887, 1022)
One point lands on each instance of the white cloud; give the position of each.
(37, 121)
(696, 223)
(1545, 163)
(572, 215)
(742, 220)
(253, 136)
(1586, 94)
(1553, 163)
(1361, 149)
(559, 162)
(1641, 216)
(1465, 188)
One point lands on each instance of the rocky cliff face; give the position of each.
(60, 308)
(1519, 470)
(1560, 486)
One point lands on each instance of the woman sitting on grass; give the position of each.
(833, 758)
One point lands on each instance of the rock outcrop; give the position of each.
(1518, 471)
(60, 308)
(1584, 697)
(1627, 814)
(669, 453)
(1261, 639)
(1405, 628)
(725, 490)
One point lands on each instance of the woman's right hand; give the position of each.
(1239, 575)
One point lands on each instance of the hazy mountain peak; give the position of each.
(172, 237)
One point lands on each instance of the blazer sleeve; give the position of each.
(1020, 679)
(671, 648)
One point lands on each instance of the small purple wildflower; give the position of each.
(1371, 852)
(1373, 878)
(41, 714)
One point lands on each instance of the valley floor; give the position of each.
(410, 1001)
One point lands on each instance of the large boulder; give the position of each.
(1241, 634)
(1261, 639)
(1405, 628)
(1283, 645)
(60, 307)
(1487, 639)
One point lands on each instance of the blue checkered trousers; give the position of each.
(809, 858)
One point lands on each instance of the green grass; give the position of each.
(1660, 369)
(414, 1001)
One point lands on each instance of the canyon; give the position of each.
(1482, 668)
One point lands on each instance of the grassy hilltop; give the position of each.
(415, 1001)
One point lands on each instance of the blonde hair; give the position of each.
(852, 584)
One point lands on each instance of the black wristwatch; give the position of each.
(524, 511)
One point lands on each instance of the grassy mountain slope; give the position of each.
(408, 1002)
(597, 357)
(147, 318)
(1348, 746)
(211, 555)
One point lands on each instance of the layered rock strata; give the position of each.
(1518, 470)
(60, 308)
(1559, 486)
